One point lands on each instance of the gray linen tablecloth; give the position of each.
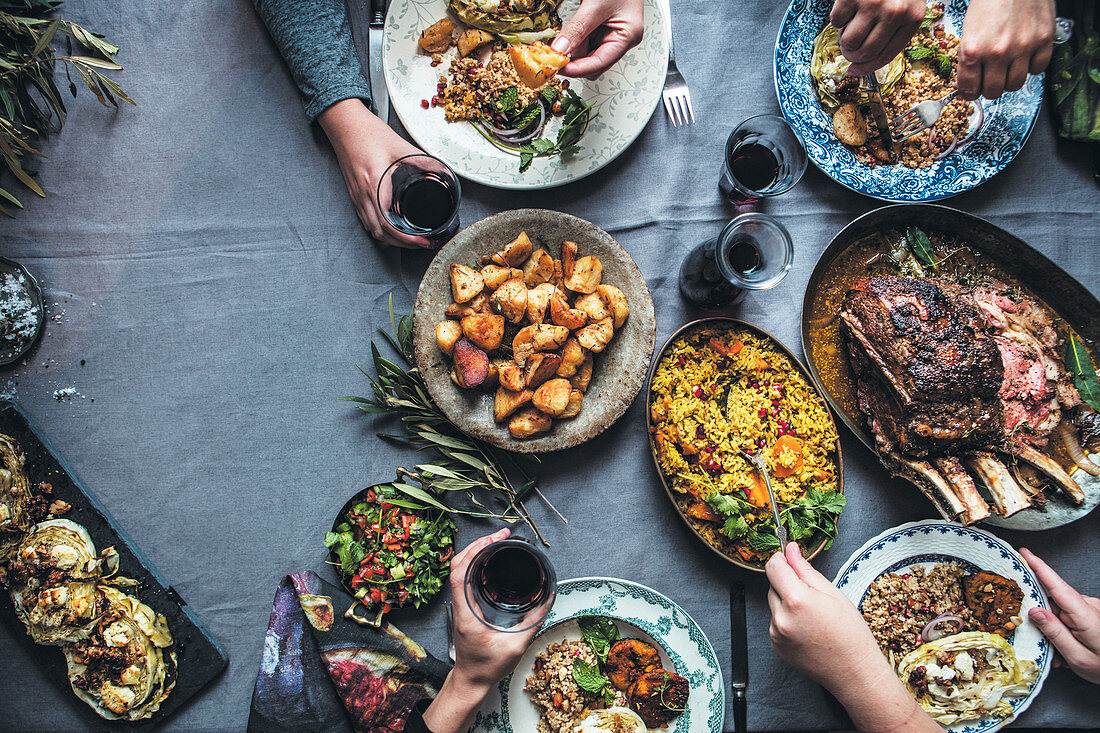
(212, 291)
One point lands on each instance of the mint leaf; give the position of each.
(943, 66)
(599, 633)
(917, 53)
(550, 95)
(525, 158)
(588, 677)
(763, 542)
(542, 146)
(508, 99)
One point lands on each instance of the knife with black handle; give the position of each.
(739, 652)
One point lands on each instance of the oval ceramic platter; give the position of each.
(639, 612)
(1008, 121)
(623, 99)
(929, 542)
(823, 340)
(619, 370)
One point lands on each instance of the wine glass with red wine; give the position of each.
(753, 252)
(764, 157)
(508, 584)
(419, 195)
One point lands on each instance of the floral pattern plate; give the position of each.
(932, 541)
(1008, 121)
(623, 98)
(639, 612)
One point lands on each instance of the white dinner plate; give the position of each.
(623, 99)
(932, 541)
(639, 612)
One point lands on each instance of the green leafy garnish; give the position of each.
(918, 53)
(508, 100)
(588, 677)
(931, 15)
(763, 542)
(943, 66)
(939, 61)
(735, 527)
(921, 246)
(1084, 373)
(814, 512)
(599, 633)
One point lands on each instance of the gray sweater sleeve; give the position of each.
(314, 37)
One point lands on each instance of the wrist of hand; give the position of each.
(468, 683)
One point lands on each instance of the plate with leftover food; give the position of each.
(962, 357)
(835, 114)
(613, 655)
(533, 330)
(720, 386)
(389, 552)
(109, 631)
(475, 84)
(948, 607)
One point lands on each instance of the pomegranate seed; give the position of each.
(424, 103)
(713, 388)
(763, 412)
(564, 83)
(435, 101)
(682, 360)
(698, 392)
(653, 430)
(709, 449)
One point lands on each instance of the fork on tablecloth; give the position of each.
(677, 96)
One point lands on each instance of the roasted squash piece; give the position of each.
(539, 368)
(552, 397)
(495, 275)
(528, 422)
(583, 377)
(572, 356)
(538, 299)
(447, 334)
(536, 63)
(511, 376)
(438, 37)
(616, 303)
(587, 273)
(466, 283)
(510, 300)
(562, 315)
(485, 330)
(506, 402)
(471, 364)
(515, 253)
(472, 39)
(538, 268)
(596, 336)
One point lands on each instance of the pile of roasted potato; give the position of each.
(528, 325)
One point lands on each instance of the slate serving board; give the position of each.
(200, 657)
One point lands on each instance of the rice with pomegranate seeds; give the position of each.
(897, 606)
(554, 691)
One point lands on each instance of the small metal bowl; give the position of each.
(34, 290)
(732, 323)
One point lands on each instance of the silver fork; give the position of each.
(677, 96)
(450, 631)
(919, 118)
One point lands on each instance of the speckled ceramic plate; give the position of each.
(929, 542)
(11, 353)
(639, 612)
(624, 98)
(619, 371)
(1008, 121)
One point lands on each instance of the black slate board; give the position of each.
(200, 657)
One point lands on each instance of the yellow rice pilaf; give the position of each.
(718, 390)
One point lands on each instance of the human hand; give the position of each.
(1002, 42)
(873, 32)
(482, 656)
(598, 35)
(1075, 629)
(365, 146)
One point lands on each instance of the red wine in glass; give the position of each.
(763, 157)
(754, 166)
(753, 252)
(419, 196)
(426, 203)
(506, 581)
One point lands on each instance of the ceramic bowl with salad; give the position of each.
(390, 552)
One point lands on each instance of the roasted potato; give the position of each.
(506, 402)
(538, 368)
(471, 364)
(466, 283)
(492, 376)
(515, 253)
(587, 273)
(568, 258)
(557, 278)
(545, 337)
(572, 356)
(552, 397)
(510, 300)
(538, 268)
(849, 126)
(576, 397)
(583, 377)
(536, 63)
(616, 303)
(495, 275)
(563, 315)
(596, 336)
(472, 39)
(511, 376)
(480, 304)
(447, 334)
(523, 344)
(485, 330)
(528, 422)
(594, 306)
(438, 37)
(538, 299)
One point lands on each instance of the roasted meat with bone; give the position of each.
(952, 377)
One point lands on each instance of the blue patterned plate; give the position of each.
(1008, 121)
(639, 612)
(932, 541)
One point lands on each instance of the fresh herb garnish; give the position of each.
(931, 15)
(588, 677)
(1084, 373)
(814, 512)
(939, 61)
(576, 114)
(921, 246)
(599, 633)
(661, 688)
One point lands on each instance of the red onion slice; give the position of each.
(931, 633)
(975, 127)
